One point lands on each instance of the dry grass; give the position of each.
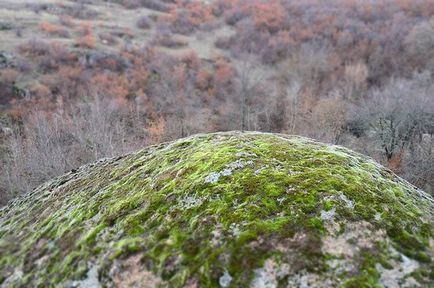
(113, 21)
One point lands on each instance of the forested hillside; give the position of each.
(83, 80)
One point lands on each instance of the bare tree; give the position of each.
(249, 80)
(420, 43)
(47, 145)
(418, 165)
(355, 80)
(329, 118)
(401, 113)
(290, 103)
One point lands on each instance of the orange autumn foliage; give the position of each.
(87, 41)
(267, 16)
(8, 75)
(156, 130)
(53, 29)
(204, 79)
(224, 72)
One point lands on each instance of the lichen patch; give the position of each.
(267, 276)
(398, 275)
(356, 236)
(91, 280)
(131, 273)
(225, 209)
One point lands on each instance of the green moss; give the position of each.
(316, 223)
(200, 206)
(128, 246)
(368, 275)
(328, 205)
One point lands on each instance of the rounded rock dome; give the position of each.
(222, 210)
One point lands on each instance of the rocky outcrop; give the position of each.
(222, 210)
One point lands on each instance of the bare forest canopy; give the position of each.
(83, 80)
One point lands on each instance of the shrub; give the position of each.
(157, 129)
(223, 42)
(36, 7)
(66, 21)
(40, 91)
(4, 26)
(170, 41)
(87, 41)
(156, 5)
(34, 48)
(189, 16)
(54, 29)
(85, 28)
(191, 59)
(417, 165)
(420, 43)
(8, 76)
(355, 77)
(70, 82)
(234, 16)
(58, 54)
(18, 31)
(131, 4)
(204, 79)
(48, 145)
(143, 22)
(224, 74)
(268, 16)
(108, 39)
(81, 11)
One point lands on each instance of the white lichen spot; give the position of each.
(410, 282)
(226, 172)
(189, 202)
(41, 261)
(337, 246)
(239, 164)
(348, 203)
(278, 167)
(225, 280)
(357, 236)
(91, 280)
(265, 277)
(283, 270)
(281, 199)
(258, 171)
(377, 216)
(340, 266)
(96, 218)
(131, 272)
(307, 280)
(292, 172)
(212, 178)
(270, 275)
(246, 154)
(408, 265)
(328, 215)
(398, 275)
(13, 279)
(235, 229)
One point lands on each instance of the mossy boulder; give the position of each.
(222, 210)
